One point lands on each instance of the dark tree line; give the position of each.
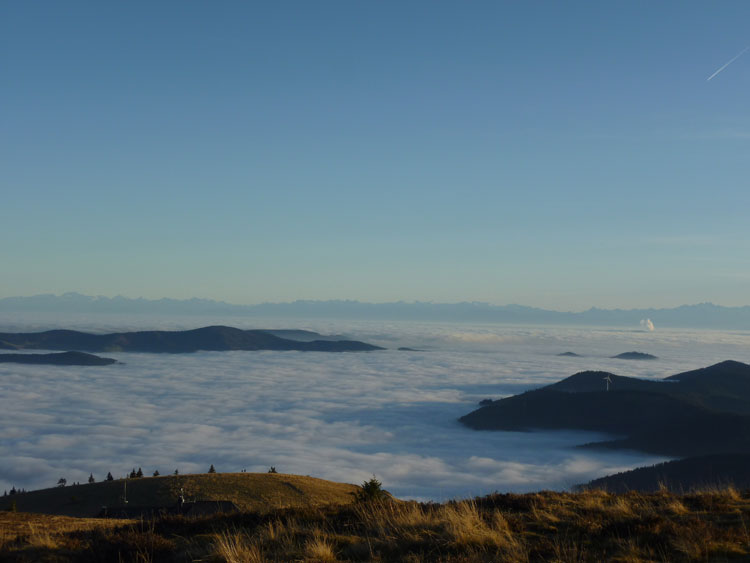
(62, 482)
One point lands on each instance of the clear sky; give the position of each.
(556, 154)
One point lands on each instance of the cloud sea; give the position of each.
(342, 417)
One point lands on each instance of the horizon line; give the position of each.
(370, 303)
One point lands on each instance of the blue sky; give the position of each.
(557, 154)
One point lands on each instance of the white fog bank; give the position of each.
(343, 417)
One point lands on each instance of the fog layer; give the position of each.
(343, 417)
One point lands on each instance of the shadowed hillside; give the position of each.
(694, 413)
(212, 338)
(61, 359)
(634, 356)
(702, 472)
(595, 381)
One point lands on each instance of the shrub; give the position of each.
(371, 490)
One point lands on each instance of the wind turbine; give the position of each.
(608, 380)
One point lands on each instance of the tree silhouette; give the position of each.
(109, 476)
(371, 490)
(133, 474)
(62, 482)
(140, 473)
(176, 472)
(91, 478)
(156, 473)
(212, 469)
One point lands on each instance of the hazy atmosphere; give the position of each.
(302, 261)
(558, 155)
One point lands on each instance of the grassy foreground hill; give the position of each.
(546, 526)
(248, 491)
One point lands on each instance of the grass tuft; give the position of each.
(236, 547)
(318, 548)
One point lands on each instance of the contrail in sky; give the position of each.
(737, 56)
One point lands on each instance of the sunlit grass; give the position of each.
(546, 526)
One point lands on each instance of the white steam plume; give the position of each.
(646, 324)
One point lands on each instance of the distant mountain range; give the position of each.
(704, 315)
(211, 338)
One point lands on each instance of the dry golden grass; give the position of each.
(467, 526)
(255, 492)
(676, 507)
(234, 547)
(261, 491)
(318, 548)
(19, 525)
(564, 527)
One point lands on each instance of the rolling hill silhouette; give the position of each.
(634, 356)
(680, 476)
(61, 359)
(699, 412)
(212, 338)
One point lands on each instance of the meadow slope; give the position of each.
(255, 492)
(545, 526)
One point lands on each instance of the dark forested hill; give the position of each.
(588, 381)
(679, 476)
(634, 356)
(695, 413)
(62, 359)
(212, 338)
